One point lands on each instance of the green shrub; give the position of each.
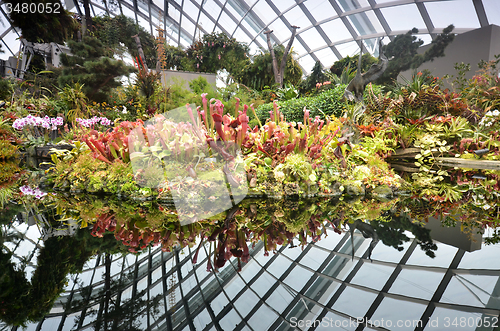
(5, 89)
(329, 102)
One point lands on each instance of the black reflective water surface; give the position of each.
(337, 274)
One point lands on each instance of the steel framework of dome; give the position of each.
(329, 29)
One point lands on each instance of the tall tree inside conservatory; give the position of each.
(93, 66)
(279, 72)
(403, 55)
(40, 26)
(258, 73)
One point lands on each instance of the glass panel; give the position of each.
(330, 241)
(280, 30)
(188, 284)
(97, 11)
(235, 10)
(263, 8)
(174, 13)
(246, 302)
(279, 266)
(320, 9)
(144, 23)
(396, 315)
(348, 5)
(234, 287)
(444, 13)
(354, 302)
(365, 23)
(473, 290)
(219, 303)
(159, 3)
(313, 38)
(142, 284)
(372, 275)
(282, 5)
(202, 319)
(51, 323)
(207, 24)
(190, 10)
(382, 252)
(492, 9)
(443, 258)
(11, 39)
(349, 49)
(242, 36)
(188, 26)
(297, 17)
(485, 258)
(263, 284)
(298, 278)
(298, 49)
(262, 319)
(403, 18)
(70, 322)
(280, 298)
(327, 58)
(227, 23)
(156, 290)
(307, 63)
(230, 320)
(211, 8)
(314, 258)
(417, 283)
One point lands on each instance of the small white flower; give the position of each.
(496, 112)
(124, 111)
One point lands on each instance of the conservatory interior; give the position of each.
(249, 165)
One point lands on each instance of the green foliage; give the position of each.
(7, 150)
(329, 102)
(352, 62)
(41, 27)
(348, 73)
(214, 52)
(259, 73)
(118, 30)
(76, 101)
(199, 85)
(6, 89)
(147, 81)
(173, 57)
(8, 170)
(403, 55)
(317, 76)
(92, 66)
(287, 92)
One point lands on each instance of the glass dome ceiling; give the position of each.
(329, 29)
